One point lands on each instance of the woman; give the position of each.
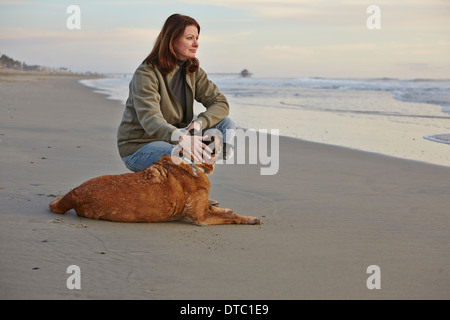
(159, 111)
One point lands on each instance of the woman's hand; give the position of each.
(192, 143)
(196, 125)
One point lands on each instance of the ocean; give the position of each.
(389, 116)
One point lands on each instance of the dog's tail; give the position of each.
(62, 204)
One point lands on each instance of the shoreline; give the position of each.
(328, 214)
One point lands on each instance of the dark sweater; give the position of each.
(178, 85)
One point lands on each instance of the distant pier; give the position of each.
(243, 74)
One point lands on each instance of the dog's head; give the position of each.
(213, 140)
(186, 164)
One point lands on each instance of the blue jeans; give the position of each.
(151, 152)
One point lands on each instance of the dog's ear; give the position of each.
(165, 159)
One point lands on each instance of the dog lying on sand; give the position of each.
(165, 191)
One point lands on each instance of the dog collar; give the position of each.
(192, 165)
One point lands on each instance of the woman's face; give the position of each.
(186, 46)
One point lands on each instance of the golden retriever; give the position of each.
(165, 191)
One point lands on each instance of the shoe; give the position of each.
(213, 203)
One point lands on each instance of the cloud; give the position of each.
(318, 11)
(290, 50)
(104, 51)
(15, 3)
(118, 35)
(410, 13)
(136, 3)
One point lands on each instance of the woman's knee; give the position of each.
(147, 155)
(228, 123)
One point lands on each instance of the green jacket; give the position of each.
(153, 113)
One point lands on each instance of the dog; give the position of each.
(168, 190)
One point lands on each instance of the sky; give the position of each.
(282, 38)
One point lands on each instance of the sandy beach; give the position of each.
(328, 214)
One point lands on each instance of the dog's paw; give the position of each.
(254, 221)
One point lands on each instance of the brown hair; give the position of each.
(163, 56)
